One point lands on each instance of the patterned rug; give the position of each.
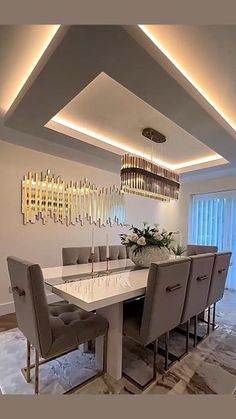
(56, 376)
(208, 369)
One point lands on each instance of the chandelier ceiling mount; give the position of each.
(154, 135)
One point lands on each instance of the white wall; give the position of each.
(43, 243)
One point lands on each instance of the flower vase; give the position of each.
(149, 254)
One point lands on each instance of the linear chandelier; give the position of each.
(48, 197)
(142, 177)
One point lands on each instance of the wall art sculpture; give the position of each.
(47, 196)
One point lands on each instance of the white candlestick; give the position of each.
(107, 247)
(92, 239)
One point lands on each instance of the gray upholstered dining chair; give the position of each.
(55, 329)
(197, 291)
(77, 255)
(160, 311)
(115, 252)
(217, 285)
(198, 249)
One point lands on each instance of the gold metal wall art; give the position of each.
(48, 197)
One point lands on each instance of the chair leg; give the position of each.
(90, 346)
(187, 336)
(105, 354)
(208, 320)
(97, 375)
(28, 363)
(214, 317)
(44, 361)
(154, 376)
(193, 335)
(195, 332)
(155, 351)
(36, 372)
(166, 350)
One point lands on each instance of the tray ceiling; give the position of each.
(115, 117)
(85, 92)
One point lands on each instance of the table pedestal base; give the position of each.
(114, 315)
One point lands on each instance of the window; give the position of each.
(213, 222)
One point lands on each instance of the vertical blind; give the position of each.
(213, 222)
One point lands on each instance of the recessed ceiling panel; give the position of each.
(110, 116)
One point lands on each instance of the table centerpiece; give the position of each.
(148, 244)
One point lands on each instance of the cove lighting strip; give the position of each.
(128, 149)
(159, 45)
(33, 65)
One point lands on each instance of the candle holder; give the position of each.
(107, 269)
(92, 269)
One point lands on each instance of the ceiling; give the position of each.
(117, 117)
(206, 54)
(20, 49)
(86, 92)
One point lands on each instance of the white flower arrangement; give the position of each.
(147, 236)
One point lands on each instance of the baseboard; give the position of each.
(7, 308)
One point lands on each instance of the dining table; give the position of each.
(94, 288)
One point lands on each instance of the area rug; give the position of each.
(208, 369)
(56, 376)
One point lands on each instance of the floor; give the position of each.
(8, 322)
(208, 369)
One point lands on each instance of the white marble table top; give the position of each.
(104, 293)
(94, 293)
(58, 274)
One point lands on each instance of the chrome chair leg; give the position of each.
(105, 354)
(214, 317)
(187, 336)
(208, 320)
(154, 377)
(36, 384)
(97, 375)
(195, 332)
(26, 370)
(91, 346)
(28, 363)
(211, 325)
(166, 350)
(155, 350)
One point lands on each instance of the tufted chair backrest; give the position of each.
(77, 255)
(115, 252)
